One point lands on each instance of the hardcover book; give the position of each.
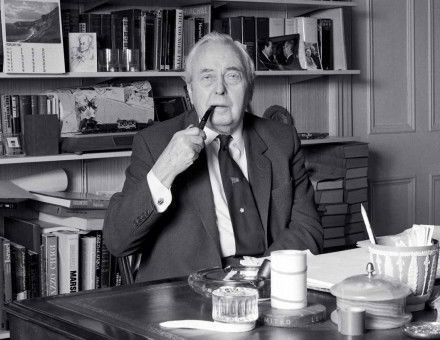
(49, 264)
(339, 41)
(73, 200)
(32, 36)
(68, 256)
(82, 223)
(66, 212)
(88, 263)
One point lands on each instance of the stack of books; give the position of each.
(329, 198)
(60, 252)
(348, 161)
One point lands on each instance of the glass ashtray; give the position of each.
(205, 281)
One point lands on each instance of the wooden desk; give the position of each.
(133, 312)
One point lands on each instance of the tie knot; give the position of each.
(224, 141)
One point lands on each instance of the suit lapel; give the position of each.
(199, 188)
(259, 171)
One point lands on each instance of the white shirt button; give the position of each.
(242, 210)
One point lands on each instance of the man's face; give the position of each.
(286, 49)
(83, 43)
(269, 49)
(218, 79)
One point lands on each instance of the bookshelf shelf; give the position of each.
(121, 154)
(63, 157)
(250, 4)
(170, 74)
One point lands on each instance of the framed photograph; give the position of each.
(279, 53)
(83, 52)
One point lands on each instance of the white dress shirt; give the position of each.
(162, 196)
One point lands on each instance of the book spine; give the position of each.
(158, 40)
(248, 34)
(43, 272)
(68, 262)
(143, 48)
(105, 266)
(325, 41)
(50, 242)
(150, 40)
(106, 28)
(42, 104)
(178, 40)
(2, 287)
(7, 268)
(98, 259)
(6, 114)
(125, 32)
(18, 270)
(199, 29)
(88, 261)
(33, 273)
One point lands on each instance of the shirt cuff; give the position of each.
(161, 194)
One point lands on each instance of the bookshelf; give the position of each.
(319, 100)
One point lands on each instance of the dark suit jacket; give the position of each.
(185, 237)
(292, 63)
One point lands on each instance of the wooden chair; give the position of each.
(128, 266)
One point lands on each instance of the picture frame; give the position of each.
(279, 53)
(83, 52)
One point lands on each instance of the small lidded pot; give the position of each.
(382, 297)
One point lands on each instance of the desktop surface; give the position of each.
(134, 312)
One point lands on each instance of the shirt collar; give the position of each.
(237, 135)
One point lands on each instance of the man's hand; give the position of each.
(182, 150)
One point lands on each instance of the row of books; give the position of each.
(15, 110)
(339, 176)
(164, 37)
(161, 35)
(44, 259)
(317, 40)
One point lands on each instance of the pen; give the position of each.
(206, 117)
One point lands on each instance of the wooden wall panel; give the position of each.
(309, 105)
(392, 205)
(434, 54)
(434, 204)
(392, 66)
(106, 175)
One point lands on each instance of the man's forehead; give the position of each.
(213, 55)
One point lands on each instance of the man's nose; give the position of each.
(220, 86)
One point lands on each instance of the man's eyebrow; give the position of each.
(204, 70)
(234, 68)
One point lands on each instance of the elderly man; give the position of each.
(194, 198)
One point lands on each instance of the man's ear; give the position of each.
(190, 94)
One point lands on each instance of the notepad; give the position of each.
(325, 270)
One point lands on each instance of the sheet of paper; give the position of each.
(10, 192)
(54, 180)
(325, 270)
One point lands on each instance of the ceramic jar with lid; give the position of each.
(382, 297)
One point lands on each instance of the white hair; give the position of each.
(249, 68)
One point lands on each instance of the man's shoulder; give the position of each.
(271, 130)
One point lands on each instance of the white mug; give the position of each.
(288, 279)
